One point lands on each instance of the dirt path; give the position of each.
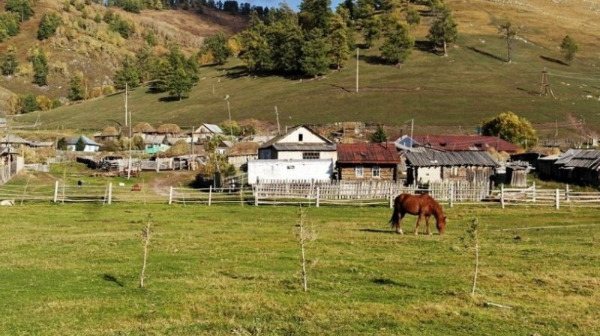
(165, 181)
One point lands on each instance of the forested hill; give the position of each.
(445, 63)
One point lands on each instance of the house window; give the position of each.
(358, 170)
(300, 137)
(376, 171)
(311, 155)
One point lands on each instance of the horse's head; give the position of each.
(441, 225)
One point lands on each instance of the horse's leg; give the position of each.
(417, 225)
(399, 227)
(427, 225)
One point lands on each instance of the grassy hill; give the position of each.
(443, 94)
(81, 44)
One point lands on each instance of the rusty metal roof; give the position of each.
(368, 153)
(465, 143)
(434, 159)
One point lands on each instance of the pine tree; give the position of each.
(398, 44)
(77, 90)
(179, 83)
(379, 136)
(443, 31)
(47, 28)
(315, 14)
(286, 39)
(24, 9)
(569, 48)
(80, 145)
(413, 17)
(10, 61)
(256, 51)
(372, 30)
(314, 54)
(29, 103)
(338, 41)
(128, 73)
(40, 68)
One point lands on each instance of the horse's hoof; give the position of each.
(416, 233)
(400, 232)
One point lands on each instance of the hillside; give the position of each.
(444, 94)
(81, 44)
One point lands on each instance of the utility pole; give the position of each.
(126, 90)
(357, 57)
(278, 125)
(230, 122)
(191, 150)
(130, 142)
(412, 128)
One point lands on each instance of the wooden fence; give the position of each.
(306, 193)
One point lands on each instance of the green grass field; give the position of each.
(74, 270)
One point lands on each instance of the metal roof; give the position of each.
(14, 139)
(368, 153)
(86, 141)
(213, 128)
(276, 139)
(303, 147)
(154, 139)
(567, 156)
(585, 159)
(461, 142)
(434, 159)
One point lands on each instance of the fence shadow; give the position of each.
(486, 53)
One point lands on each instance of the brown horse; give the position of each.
(420, 205)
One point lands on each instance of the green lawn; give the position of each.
(74, 270)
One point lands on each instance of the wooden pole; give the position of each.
(171, 195)
(557, 199)
(502, 195)
(55, 199)
(317, 201)
(255, 196)
(110, 193)
(567, 191)
(534, 192)
(209, 195)
(451, 195)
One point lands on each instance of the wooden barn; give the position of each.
(367, 161)
(434, 166)
(242, 152)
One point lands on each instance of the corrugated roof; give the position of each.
(585, 159)
(433, 158)
(86, 141)
(567, 156)
(154, 139)
(368, 153)
(464, 143)
(14, 139)
(213, 128)
(303, 147)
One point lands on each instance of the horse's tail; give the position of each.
(395, 220)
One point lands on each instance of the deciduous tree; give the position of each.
(508, 32)
(512, 128)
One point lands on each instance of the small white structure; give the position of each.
(289, 170)
(207, 131)
(90, 145)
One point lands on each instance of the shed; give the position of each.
(208, 131)
(242, 152)
(155, 143)
(365, 161)
(432, 166)
(13, 140)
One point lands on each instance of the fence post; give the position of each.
(391, 200)
(255, 195)
(534, 192)
(242, 196)
(55, 192)
(557, 199)
(209, 195)
(110, 193)
(317, 201)
(567, 191)
(171, 195)
(451, 195)
(502, 195)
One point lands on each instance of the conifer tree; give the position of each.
(569, 48)
(10, 61)
(39, 61)
(443, 31)
(315, 49)
(128, 73)
(398, 44)
(77, 90)
(338, 41)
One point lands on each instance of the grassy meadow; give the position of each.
(74, 270)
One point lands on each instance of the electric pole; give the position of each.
(357, 57)
(278, 126)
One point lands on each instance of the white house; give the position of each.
(207, 131)
(289, 170)
(299, 143)
(90, 145)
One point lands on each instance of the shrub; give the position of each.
(48, 25)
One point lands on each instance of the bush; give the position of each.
(123, 27)
(23, 8)
(29, 104)
(9, 25)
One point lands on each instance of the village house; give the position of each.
(89, 144)
(155, 143)
(299, 154)
(434, 166)
(207, 131)
(299, 143)
(367, 161)
(143, 129)
(579, 166)
(108, 134)
(458, 143)
(241, 153)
